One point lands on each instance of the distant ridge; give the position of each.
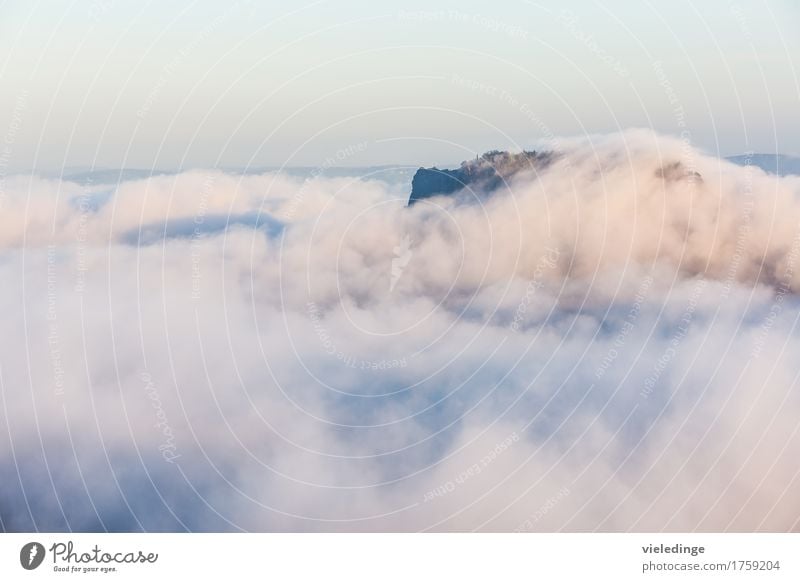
(777, 164)
(392, 174)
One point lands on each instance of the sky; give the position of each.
(203, 84)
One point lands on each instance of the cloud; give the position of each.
(606, 344)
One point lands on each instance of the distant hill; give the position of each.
(112, 176)
(392, 175)
(772, 163)
(488, 172)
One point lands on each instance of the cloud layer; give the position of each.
(606, 344)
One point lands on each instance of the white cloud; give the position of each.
(295, 388)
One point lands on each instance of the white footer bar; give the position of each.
(400, 557)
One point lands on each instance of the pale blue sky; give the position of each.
(120, 83)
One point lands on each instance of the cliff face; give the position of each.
(482, 175)
(429, 182)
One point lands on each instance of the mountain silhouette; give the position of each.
(482, 175)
